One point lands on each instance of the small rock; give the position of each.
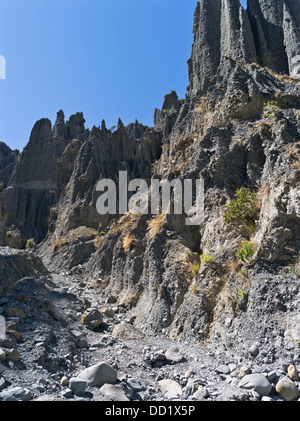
(111, 299)
(223, 369)
(64, 381)
(254, 351)
(258, 382)
(113, 393)
(2, 355)
(67, 393)
(108, 312)
(170, 386)
(287, 389)
(15, 312)
(2, 383)
(126, 331)
(93, 318)
(188, 373)
(190, 389)
(82, 343)
(134, 384)
(292, 372)
(13, 355)
(8, 343)
(2, 369)
(173, 355)
(201, 393)
(77, 385)
(99, 374)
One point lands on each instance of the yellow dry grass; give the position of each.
(155, 226)
(60, 242)
(128, 240)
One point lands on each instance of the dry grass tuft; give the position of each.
(155, 226)
(98, 241)
(60, 242)
(128, 241)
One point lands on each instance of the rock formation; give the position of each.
(267, 33)
(232, 281)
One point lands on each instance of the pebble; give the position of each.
(201, 393)
(64, 381)
(77, 385)
(134, 384)
(113, 393)
(254, 351)
(173, 355)
(92, 318)
(292, 372)
(222, 369)
(170, 386)
(287, 389)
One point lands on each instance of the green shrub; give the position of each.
(205, 258)
(241, 296)
(270, 108)
(30, 243)
(195, 268)
(243, 208)
(294, 271)
(245, 252)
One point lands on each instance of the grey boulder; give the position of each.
(257, 382)
(99, 374)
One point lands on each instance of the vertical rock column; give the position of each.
(3, 216)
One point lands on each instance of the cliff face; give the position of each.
(237, 128)
(267, 34)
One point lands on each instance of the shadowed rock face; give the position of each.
(267, 33)
(33, 185)
(71, 156)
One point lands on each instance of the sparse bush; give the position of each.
(30, 243)
(241, 296)
(243, 208)
(205, 258)
(270, 108)
(196, 289)
(294, 271)
(245, 252)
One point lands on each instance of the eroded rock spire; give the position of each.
(267, 33)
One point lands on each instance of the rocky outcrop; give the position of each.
(267, 34)
(33, 186)
(222, 32)
(16, 265)
(3, 216)
(8, 159)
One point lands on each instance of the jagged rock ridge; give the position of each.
(267, 33)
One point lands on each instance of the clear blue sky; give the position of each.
(106, 58)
